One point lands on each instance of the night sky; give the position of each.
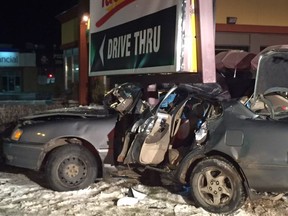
(32, 21)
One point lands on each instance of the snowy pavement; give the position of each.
(23, 192)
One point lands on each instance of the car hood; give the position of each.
(70, 112)
(272, 72)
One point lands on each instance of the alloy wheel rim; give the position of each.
(215, 187)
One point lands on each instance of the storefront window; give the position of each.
(226, 48)
(71, 59)
(11, 83)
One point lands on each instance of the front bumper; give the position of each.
(23, 154)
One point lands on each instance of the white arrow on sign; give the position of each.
(101, 51)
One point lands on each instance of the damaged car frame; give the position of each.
(222, 149)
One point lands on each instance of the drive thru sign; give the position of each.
(142, 36)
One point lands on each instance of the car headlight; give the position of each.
(16, 134)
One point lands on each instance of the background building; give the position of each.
(251, 25)
(30, 73)
(70, 32)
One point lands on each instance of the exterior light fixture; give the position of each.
(231, 20)
(85, 18)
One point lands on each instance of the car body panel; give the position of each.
(250, 139)
(88, 129)
(259, 147)
(23, 155)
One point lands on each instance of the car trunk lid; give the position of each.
(272, 72)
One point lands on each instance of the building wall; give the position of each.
(70, 31)
(253, 12)
(248, 41)
(30, 79)
(260, 23)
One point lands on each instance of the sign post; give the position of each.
(83, 75)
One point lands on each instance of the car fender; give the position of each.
(61, 141)
(187, 163)
(198, 154)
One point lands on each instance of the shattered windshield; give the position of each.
(172, 99)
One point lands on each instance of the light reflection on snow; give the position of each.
(21, 196)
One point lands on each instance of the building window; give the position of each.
(11, 83)
(71, 59)
(226, 48)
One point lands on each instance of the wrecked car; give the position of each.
(223, 149)
(70, 145)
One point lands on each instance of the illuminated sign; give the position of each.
(141, 36)
(9, 59)
(112, 7)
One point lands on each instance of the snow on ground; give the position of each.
(24, 192)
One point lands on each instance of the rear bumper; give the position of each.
(23, 155)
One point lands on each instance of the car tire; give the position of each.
(71, 167)
(217, 186)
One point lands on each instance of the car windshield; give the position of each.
(172, 99)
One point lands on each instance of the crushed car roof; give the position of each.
(207, 90)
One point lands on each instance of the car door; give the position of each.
(167, 123)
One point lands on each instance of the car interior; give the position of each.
(273, 105)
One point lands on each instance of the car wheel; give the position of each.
(217, 186)
(71, 167)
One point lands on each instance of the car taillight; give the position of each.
(16, 134)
